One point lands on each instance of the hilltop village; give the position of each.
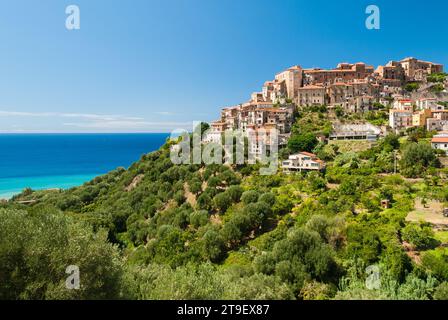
(412, 92)
(367, 147)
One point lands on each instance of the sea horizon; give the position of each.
(42, 161)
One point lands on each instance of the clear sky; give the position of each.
(155, 65)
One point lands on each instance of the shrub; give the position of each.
(250, 197)
(222, 201)
(422, 237)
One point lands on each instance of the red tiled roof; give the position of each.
(439, 140)
(399, 111)
(271, 110)
(342, 84)
(308, 154)
(311, 87)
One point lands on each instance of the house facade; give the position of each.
(400, 119)
(440, 142)
(303, 161)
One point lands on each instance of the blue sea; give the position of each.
(47, 161)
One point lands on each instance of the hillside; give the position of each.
(165, 231)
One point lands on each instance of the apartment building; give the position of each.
(440, 114)
(420, 117)
(400, 119)
(428, 104)
(433, 124)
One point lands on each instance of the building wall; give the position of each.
(293, 80)
(311, 96)
(400, 119)
(440, 146)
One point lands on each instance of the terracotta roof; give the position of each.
(271, 110)
(439, 140)
(308, 154)
(311, 87)
(400, 111)
(333, 71)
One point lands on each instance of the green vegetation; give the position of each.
(437, 88)
(417, 159)
(412, 86)
(437, 77)
(165, 231)
(302, 142)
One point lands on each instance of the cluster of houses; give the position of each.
(257, 120)
(353, 87)
(424, 112)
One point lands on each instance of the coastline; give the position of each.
(10, 187)
(62, 161)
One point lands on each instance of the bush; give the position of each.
(302, 142)
(199, 218)
(250, 197)
(35, 251)
(417, 158)
(235, 193)
(222, 201)
(268, 198)
(410, 87)
(441, 292)
(422, 237)
(436, 261)
(204, 201)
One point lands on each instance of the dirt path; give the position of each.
(432, 213)
(191, 198)
(134, 183)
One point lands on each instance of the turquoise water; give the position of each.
(12, 186)
(50, 161)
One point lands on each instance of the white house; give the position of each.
(440, 142)
(215, 133)
(428, 104)
(403, 104)
(303, 161)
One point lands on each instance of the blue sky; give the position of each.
(156, 65)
